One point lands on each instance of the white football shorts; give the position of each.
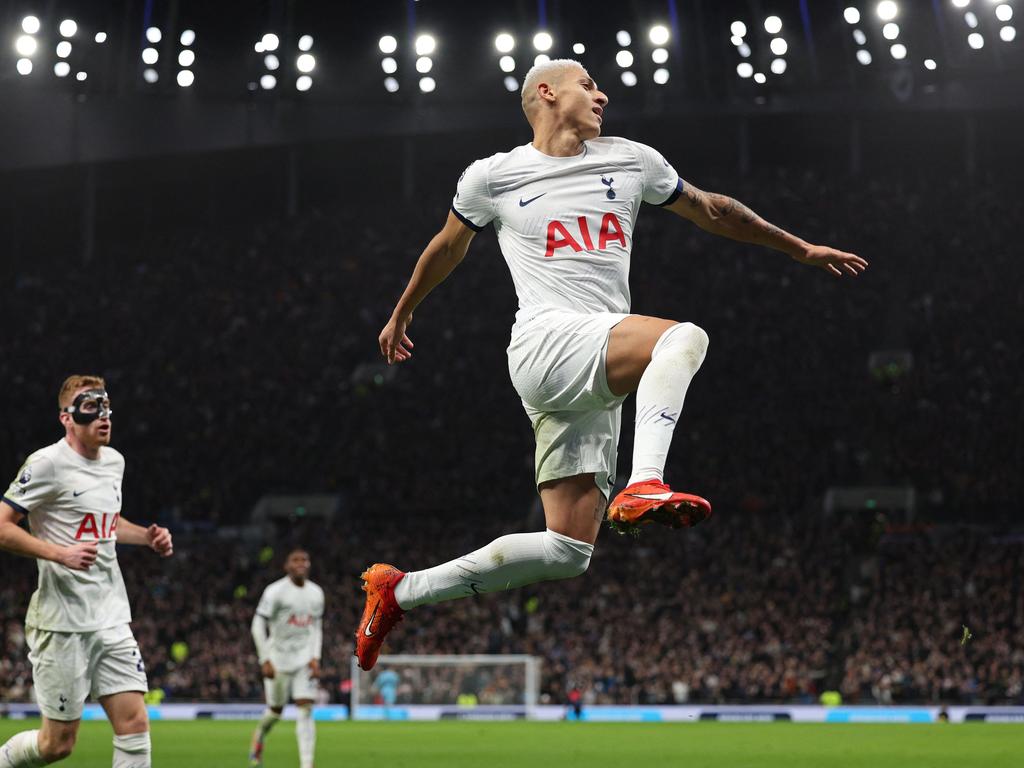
(295, 685)
(557, 363)
(69, 666)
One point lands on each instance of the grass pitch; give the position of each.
(220, 744)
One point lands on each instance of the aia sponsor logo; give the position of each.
(300, 621)
(560, 235)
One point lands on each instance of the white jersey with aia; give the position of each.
(293, 614)
(70, 499)
(565, 224)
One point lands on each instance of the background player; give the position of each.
(386, 684)
(564, 208)
(292, 608)
(77, 626)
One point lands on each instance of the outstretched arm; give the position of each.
(439, 258)
(726, 216)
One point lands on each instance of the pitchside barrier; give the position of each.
(674, 714)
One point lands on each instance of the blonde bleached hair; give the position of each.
(550, 72)
(73, 383)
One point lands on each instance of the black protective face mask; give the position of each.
(90, 405)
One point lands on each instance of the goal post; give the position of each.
(404, 686)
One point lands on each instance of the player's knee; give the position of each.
(567, 557)
(276, 710)
(689, 341)
(56, 746)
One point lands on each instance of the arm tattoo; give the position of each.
(727, 215)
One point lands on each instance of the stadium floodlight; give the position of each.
(628, 78)
(270, 41)
(961, 3)
(81, 76)
(154, 35)
(1008, 33)
(745, 69)
(760, 78)
(898, 51)
(511, 84)
(303, 83)
(623, 38)
(427, 84)
(543, 41)
(579, 48)
(507, 64)
(101, 37)
(659, 34)
(150, 56)
(389, 65)
(541, 58)
(659, 55)
(976, 41)
(930, 64)
(736, 40)
(25, 45)
(387, 44)
(661, 76)
(24, 66)
(624, 59)
(971, 19)
(188, 37)
(61, 69)
(186, 58)
(424, 64)
(864, 56)
(773, 25)
(259, 48)
(779, 46)
(150, 75)
(778, 66)
(390, 84)
(186, 78)
(63, 49)
(887, 10)
(852, 15)
(267, 82)
(425, 45)
(504, 42)
(744, 50)
(30, 24)
(305, 44)
(738, 28)
(891, 31)
(1004, 12)
(860, 37)
(68, 27)
(305, 63)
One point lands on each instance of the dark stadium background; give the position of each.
(226, 258)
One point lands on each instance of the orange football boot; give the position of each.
(651, 501)
(381, 613)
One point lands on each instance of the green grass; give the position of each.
(207, 744)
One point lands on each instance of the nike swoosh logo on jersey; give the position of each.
(369, 625)
(524, 203)
(76, 494)
(653, 496)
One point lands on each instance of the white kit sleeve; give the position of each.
(35, 485)
(472, 202)
(662, 184)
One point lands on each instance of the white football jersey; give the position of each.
(294, 614)
(70, 499)
(565, 224)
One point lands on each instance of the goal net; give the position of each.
(448, 686)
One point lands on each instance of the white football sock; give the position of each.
(506, 563)
(305, 734)
(675, 360)
(21, 751)
(132, 751)
(268, 721)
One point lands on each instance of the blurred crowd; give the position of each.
(242, 360)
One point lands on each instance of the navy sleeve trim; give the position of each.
(16, 505)
(467, 222)
(675, 194)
